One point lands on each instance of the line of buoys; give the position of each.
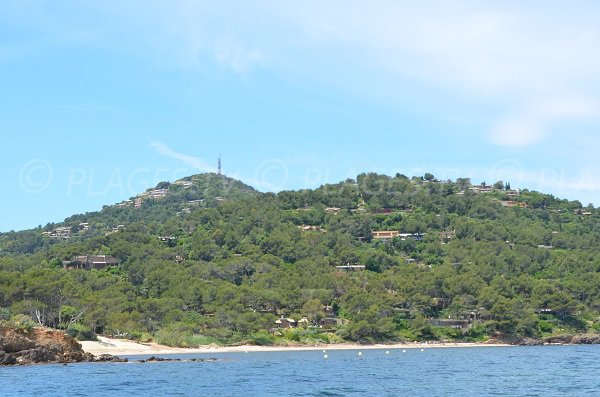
(359, 354)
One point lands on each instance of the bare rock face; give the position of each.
(109, 358)
(40, 345)
(12, 342)
(579, 339)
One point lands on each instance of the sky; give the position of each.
(100, 100)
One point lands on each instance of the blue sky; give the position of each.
(100, 100)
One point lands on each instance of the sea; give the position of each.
(478, 371)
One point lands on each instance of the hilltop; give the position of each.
(207, 259)
(158, 204)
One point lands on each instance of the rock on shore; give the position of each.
(42, 345)
(567, 339)
(577, 339)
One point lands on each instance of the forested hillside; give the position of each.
(209, 259)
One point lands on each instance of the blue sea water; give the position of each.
(485, 371)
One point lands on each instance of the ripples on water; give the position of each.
(486, 371)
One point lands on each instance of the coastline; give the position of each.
(123, 347)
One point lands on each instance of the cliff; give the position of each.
(41, 345)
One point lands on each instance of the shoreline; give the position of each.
(124, 347)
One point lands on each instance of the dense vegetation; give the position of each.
(235, 260)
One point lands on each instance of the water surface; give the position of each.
(485, 371)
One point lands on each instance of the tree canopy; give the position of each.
(213, 260)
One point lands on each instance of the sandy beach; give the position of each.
(123, 347)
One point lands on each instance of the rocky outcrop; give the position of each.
(578, 339)
(42, 345)
(155, 359)
(568, 339)
(515, 340)
(109, 358)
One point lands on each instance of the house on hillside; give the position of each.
(60, 232)
(126, 203)
(185, 184)
(328, 310)
(382, 211)
(311, 228)
(481, 189)
(446, 236)
(457, 324)
(157, 194)
(330, 322)
(351, 268)
(385, 234)
(511, 204)
(89, 262)
(285, 322)
(411, 236)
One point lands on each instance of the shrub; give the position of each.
(545, 326)
(81, 332)
(446, 333)
(307, 336)
(182, 335)
(22, 321)
(477, 333)
(4, 314)
(262, 339)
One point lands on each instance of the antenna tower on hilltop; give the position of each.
(219, 164)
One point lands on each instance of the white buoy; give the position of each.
(422, 350)
(246, 351)
(323, 351)
(360, 353)
(387, 352)
(325, 356)
(403, 351)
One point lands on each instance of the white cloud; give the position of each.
(271, 175)
(534, 122)
(193, 162)
(517, 132)
(429, 54)
(439, 57)
(233, 55)
(501, 57)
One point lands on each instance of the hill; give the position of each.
(208, 259)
